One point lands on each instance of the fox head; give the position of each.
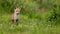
(17, 10)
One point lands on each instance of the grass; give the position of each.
(30, 23)
(26, 26)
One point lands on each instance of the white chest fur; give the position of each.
(16, 16)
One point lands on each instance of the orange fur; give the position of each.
(12, 17)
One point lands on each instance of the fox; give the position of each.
(15, 15)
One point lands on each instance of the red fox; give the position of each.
(15, 15)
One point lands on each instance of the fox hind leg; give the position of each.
(12, 21)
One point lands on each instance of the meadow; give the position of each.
(27, 26)
(36, 17)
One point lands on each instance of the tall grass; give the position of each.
(36, 17)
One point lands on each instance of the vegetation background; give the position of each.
(36, 17)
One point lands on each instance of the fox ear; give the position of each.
(15, 8)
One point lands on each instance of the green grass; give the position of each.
(26, 26)
(33, 18)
